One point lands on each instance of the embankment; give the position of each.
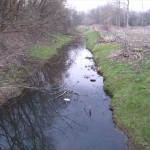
(22, 64)
(129, 84)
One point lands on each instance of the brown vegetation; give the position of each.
(134, 43)
(24, 23)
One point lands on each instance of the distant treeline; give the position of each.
(110, 15)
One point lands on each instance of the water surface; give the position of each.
(42, 120)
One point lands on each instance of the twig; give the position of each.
(65, 92)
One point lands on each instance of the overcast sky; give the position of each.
(84, 5)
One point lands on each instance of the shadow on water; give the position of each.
(68, 109)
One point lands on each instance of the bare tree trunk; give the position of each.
(142, 15)
(119, 11)
(128, 3)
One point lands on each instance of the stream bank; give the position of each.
(128, 82)
(15, 73)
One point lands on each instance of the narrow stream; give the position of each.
(70, 112)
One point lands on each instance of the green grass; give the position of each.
(46, 52)
(130, 88)
(12, 76)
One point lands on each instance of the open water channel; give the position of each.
(68, 109)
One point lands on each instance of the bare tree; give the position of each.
(31, 14)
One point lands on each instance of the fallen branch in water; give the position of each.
(62, 94)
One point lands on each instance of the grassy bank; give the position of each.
(12, 78)
(46, 52)
(129, 84)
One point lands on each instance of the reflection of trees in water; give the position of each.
(53, 72)
(23, 125)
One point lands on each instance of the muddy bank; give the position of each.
(15, 75)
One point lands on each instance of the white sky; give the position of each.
(84, 5)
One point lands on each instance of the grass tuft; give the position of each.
(46, 52)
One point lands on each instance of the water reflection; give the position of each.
(42, 120)
(23, 126)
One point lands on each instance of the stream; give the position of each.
(68, 110)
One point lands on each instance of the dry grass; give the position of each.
(137, 37)
(134, 42)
